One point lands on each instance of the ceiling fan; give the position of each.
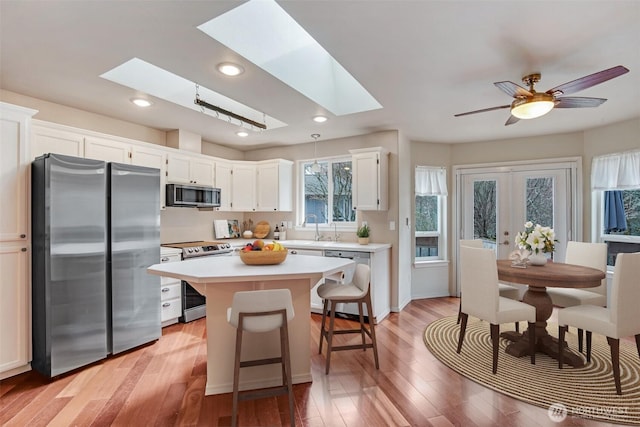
(529, 104)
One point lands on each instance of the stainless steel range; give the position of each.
(193, 304)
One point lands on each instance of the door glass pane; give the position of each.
(539, 201)
(484, 210)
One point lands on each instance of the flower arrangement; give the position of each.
(536, 239)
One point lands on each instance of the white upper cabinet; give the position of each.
(370, 179)
(274, 185)
(223, 182)
(243, 186)
(152, 158)
(108, 150)
(48, 140)
(185, 169)
(14, 132)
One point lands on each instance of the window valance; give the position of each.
(431, 181)
(616, 171)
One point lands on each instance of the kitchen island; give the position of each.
(218, 278)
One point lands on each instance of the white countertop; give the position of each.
(226, 269)
(320, 245)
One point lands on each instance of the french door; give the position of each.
(495, 202)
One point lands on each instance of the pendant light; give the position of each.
(315, 167)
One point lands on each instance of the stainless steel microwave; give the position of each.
(192, 196)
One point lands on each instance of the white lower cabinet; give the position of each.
(15, 315)
(170, 290)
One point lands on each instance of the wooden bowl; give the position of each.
(263, 257)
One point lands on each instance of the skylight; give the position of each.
(262, 32)
(148, 78)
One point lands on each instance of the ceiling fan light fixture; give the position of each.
(531, 108)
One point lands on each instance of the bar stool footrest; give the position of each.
(260, 362)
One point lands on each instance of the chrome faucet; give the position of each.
(317, 236)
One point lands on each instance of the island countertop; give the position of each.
(230, 268)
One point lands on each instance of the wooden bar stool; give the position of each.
(358, 291)
(262, 311)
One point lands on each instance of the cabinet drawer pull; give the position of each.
(164, 259)
(23, 249)
(166, 304)
(165, 289)
(22, 236)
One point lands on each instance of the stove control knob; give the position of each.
(196, 250)
(189, 250)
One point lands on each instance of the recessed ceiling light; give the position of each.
(242, 133)
(140, 102)
(320, 119)
(230, 69)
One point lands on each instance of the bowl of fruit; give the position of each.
(261, 253)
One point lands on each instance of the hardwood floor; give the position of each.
(162, 384)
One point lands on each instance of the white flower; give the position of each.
(536, 239)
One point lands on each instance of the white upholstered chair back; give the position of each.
(258, 302)
(625, 294)
(362, 277)
(592, 255)
(479, 282)
(471, 243)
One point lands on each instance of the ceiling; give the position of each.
(424, 61)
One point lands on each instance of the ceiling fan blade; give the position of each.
(578, 102)
(512, 89)
(511, 120)
(588, 81)
(482, 111)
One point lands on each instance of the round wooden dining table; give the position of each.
(538, 279)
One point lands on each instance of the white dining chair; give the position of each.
(479, 279)
(505, 290)
(262, 311)
(359, 292)
(592, 255)
(620, 319)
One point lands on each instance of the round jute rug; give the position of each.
(587, 392)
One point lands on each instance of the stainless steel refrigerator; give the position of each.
(96, 228)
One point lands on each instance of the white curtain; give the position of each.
(431, 181)
(616, 171)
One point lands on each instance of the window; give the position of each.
(427, 222)
(431, 191)
(615, 180)
(620, 222)
(327, 191)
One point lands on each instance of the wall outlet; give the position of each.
(364, 223)
(289, 224)
(392, 225)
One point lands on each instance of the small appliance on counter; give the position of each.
(193, 303)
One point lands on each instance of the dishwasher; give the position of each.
(349, 309)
